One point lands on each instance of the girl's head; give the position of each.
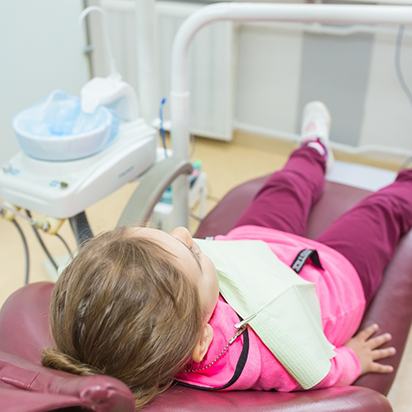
(134, 304)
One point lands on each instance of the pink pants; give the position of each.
(367, 235)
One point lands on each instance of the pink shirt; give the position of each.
(342, 305)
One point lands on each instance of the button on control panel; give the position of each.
(57, 183)
(8, 169)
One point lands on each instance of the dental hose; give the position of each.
(50, 225)
(26, 251)
(46, 251)
(66, 245)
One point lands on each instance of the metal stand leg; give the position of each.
(81, 228)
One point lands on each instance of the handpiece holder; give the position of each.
(113, 92)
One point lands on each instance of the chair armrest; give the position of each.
(151, 187)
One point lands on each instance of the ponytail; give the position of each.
(54, 359)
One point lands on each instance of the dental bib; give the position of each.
(280, 306)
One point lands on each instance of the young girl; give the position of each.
(144, 306)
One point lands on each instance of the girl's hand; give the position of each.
(367, 350)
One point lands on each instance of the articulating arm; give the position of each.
(152, 185)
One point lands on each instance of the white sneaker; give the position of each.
(316, 123)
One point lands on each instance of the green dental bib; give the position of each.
(280, 306)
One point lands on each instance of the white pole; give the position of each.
(242, 12)
(146, 59)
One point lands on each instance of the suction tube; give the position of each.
(42, 243)
(26, 250)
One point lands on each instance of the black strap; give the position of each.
(238, 370)
(303, 256)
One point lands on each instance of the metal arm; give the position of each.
(150, 190)
(243, 12)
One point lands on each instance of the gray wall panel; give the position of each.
(335, 70)
(268, 72)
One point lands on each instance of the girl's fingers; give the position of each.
(379, 368)
(383, 353)
(378, 341)
(366, 333)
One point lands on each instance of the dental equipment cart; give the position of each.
(64, 189)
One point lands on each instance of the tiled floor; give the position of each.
(227, 165)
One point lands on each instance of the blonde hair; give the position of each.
(121, 308)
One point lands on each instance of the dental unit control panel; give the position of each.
(64, 189)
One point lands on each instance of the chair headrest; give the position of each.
(24, 333)
(24, 321)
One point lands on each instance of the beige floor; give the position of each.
(227, 165)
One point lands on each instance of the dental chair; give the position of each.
(26, 386)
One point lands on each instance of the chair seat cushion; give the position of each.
(348, 399)
(336, 200)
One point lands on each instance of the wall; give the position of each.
(41, 49)
(279, 67)
(279, 70)
(387, 110)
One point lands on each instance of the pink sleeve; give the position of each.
(345, 369)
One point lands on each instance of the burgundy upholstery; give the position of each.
(46, 389)
(26, 335)
(26, 386)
